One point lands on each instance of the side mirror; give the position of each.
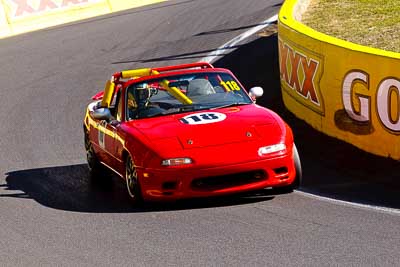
(102, 114)
(256, 92)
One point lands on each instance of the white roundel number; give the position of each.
(203, 118)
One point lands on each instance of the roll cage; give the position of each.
(117, 81)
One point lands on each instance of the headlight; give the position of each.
(176, 161)
(262, 151)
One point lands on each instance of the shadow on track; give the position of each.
(192, 55)
(331, 167)
(70, 188)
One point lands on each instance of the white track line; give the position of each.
(228, 45)
(350, 204)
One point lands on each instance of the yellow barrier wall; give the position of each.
(117, 5)
(19, 16)
(345, 90)
(4, 27)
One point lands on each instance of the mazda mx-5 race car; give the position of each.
(187, 131)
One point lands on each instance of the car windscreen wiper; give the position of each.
(192, 107)
(230, 105)
(187, 108)
(183, 108)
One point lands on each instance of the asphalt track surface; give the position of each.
(51, 213)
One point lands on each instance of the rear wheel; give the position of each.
(96, 169)
(132, 181)
(93, 163)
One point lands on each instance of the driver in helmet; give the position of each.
(138, 99)
(142, 95)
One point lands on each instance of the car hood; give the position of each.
(212, 127)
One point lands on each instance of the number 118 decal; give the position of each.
(203, 118)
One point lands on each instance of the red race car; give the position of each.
(187, 131)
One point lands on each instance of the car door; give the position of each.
(113, 141)
(102, 134)
(97, 137)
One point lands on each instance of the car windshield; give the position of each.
(183, 93)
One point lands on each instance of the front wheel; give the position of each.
(299, 174)
(297, 165)
(132, 181)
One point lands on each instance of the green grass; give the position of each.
(374, 23)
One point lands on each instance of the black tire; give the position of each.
(299, 172)
(132, 181)
(298, 178)
(96, 169)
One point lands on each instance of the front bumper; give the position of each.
(177, 183)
